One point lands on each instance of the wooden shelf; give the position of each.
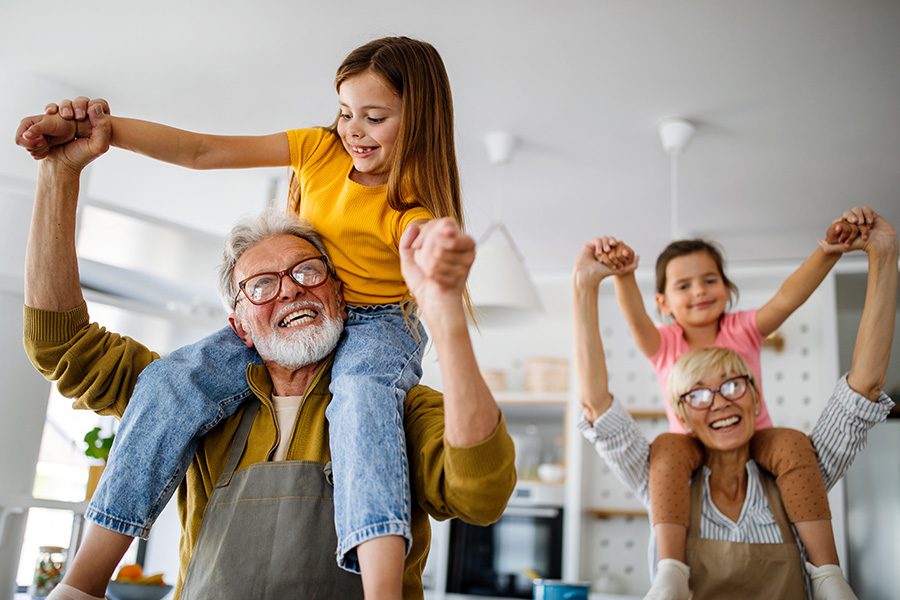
(524, 397)
(611, 513)
(648, 414)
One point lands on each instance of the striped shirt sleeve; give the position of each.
(840, 433)
(616, 438)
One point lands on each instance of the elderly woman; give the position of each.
(740, 544)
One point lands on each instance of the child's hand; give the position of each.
(849, 232)
(602, 257)
(38, 133)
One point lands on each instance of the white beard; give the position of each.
(298, 348)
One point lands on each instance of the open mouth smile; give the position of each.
(298, 317)
(362, 151)
(725, 423)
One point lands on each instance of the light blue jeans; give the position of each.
(181, 397)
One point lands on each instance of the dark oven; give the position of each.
(501, 559)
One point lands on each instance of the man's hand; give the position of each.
(435, 258)
(78, 153)
(58, 125)
(602, 257)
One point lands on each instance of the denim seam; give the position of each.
(367, 533)
(116, 524)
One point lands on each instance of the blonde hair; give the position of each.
(692, 367)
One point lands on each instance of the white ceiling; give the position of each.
(797, 105)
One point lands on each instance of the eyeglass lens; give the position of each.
(264, 287)
(731, 389)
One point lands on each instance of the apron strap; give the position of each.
(696, 503)
(239, 443)
(776, 505)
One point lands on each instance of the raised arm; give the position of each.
(590, 361)
(435, 259)
(872, 351)
(96, 367)
(51, 265)
(618, 256)
(177, 146)
(800, 285)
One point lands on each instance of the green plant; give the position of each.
(97, 445)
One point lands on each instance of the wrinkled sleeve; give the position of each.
(95, 367)
(842, 428)
(472, 483)
(616, 438)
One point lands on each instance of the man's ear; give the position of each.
(235, 322)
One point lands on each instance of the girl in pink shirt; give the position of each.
(693, 290)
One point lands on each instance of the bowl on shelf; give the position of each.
(551, 473)
(118, 590)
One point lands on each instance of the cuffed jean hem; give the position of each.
(349, 561)
(116, 524)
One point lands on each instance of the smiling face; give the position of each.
(368, 125)
(695, 294)
(301, 325)
(726, 424)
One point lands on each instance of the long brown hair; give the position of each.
(423, 170)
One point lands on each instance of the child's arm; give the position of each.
(619, 257)
(176, 146)
(798, 287)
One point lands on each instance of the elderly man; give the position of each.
(254, 527)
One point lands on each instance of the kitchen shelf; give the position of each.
(531, 398)
(610, 513)
(648, 414)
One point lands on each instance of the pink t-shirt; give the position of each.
(738, 332)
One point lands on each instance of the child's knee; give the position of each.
(785, 449)
(675, 449)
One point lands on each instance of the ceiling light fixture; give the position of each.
(499, 280)
(674, 133)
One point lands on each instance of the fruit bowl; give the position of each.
(118, 590)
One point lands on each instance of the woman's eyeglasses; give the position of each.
(730, 389)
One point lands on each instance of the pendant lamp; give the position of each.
(674, 134)
(499, 281)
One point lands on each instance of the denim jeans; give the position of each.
(378, 361)
(182, 396)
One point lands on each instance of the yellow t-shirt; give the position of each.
(361, 231)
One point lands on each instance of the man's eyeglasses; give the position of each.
(265, 287)
(730, 389)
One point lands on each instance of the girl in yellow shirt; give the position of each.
(386, 162)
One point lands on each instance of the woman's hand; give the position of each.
(881, 239)
(601, 257)
(849, 231)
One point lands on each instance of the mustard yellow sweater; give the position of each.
(99, 369)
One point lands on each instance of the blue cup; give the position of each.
(555, 589)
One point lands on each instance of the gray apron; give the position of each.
(268, 533)
(741, 571)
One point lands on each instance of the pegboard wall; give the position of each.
(797, 381)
